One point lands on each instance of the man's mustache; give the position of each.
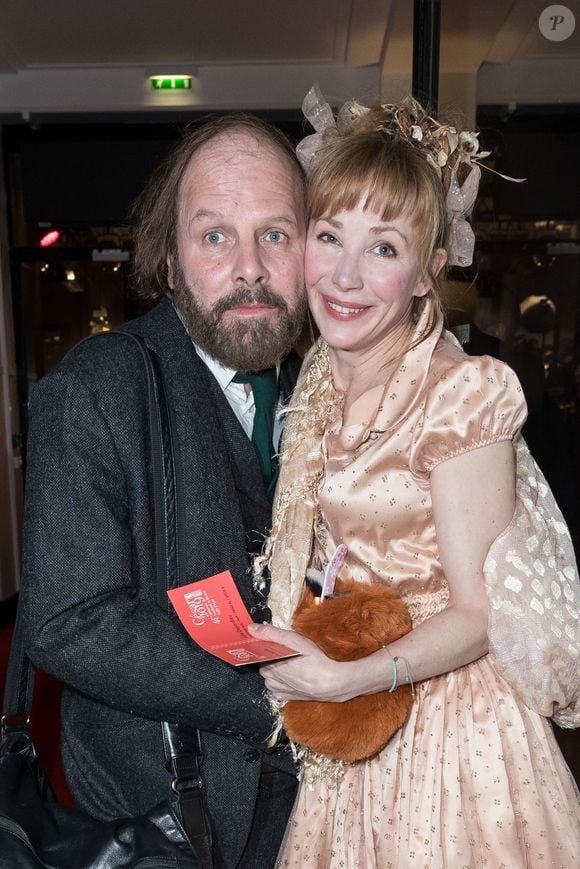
(258, 295)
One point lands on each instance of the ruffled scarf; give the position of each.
(314, 406)
(315, 403)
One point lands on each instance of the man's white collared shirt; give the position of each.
(240, 401)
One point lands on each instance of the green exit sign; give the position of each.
(170, 82)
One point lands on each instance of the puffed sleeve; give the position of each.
(472, 401)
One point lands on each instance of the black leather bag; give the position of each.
(35, 830)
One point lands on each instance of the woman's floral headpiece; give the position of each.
(444, 148)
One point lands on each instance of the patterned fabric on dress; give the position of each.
(475, 777)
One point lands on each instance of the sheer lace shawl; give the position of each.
(534, 600)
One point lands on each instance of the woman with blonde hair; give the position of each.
(408, 452)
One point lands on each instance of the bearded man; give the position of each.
(219, 243)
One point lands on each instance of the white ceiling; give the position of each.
(71, 56)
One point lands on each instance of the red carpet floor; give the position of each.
(45, 719)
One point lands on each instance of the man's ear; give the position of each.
(170, 274)
(438, 261)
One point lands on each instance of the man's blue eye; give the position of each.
(276, 236)
(214, 237)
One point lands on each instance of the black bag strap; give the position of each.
(163, 470)
(182, 744)
(19, 685)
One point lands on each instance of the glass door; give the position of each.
(60, 297)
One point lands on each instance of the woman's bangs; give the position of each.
(335, 189)
(393, 193)
(386, 185)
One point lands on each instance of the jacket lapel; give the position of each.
(223, 508)
(210, 522)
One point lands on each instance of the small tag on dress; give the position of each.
(332, 570)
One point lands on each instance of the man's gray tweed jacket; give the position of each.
(89, 576)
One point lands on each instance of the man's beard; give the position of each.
(244, 344)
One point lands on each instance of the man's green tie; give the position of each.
(265, 389)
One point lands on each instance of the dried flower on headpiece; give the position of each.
(453, 155)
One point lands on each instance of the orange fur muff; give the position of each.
(357, 621)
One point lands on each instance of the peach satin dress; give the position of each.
(475, 777)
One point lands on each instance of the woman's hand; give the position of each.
(308, 676)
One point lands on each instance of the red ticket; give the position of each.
(214, 615)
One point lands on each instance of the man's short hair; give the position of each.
(155, 212)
